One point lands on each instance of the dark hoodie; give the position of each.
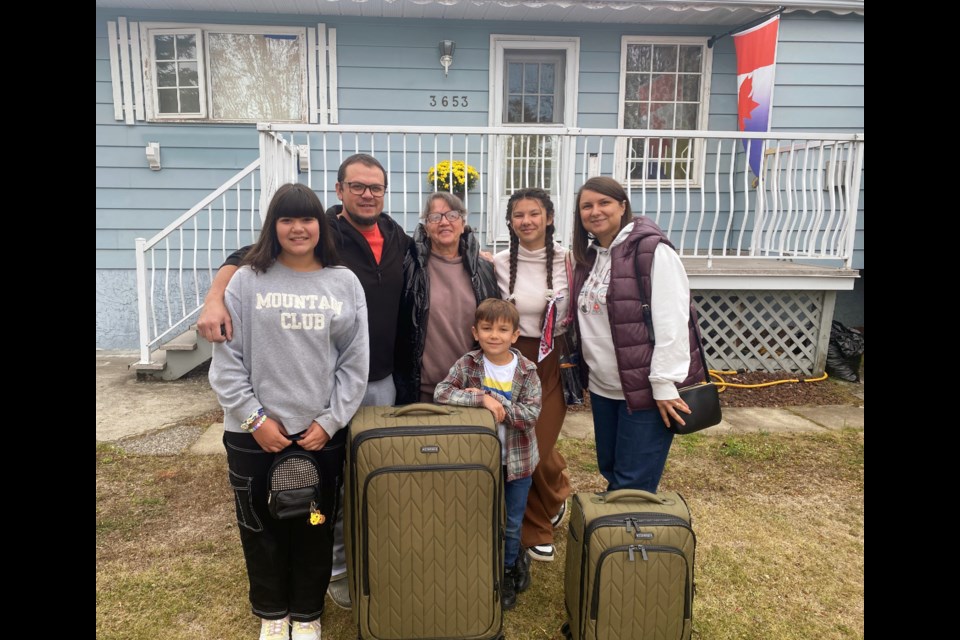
(382, 283)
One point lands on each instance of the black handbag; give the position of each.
(294, 485)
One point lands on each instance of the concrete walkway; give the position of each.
(166, 418)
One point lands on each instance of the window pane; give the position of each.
(530, 109)
(167, 99)
(638, 86)
(661, 115)
(514, 109)
(255, 76)
(546, 109)
(687, 116)
(547, 78)
(190, 101)
(186, 47)
(514, 78)
(635, 116)
(166, 74)
(664, 57)
(691, 58)
(688, 89)
(638, 57)
(663, 87)
(530, 83)
(163, 45)
(188, 74)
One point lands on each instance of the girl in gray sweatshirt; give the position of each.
(295, 370)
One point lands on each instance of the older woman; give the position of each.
(444, 281)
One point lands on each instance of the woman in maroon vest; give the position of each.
(634, 355)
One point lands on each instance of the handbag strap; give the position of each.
(648, 319)
(570, 303)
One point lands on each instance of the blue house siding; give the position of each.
(387, 70)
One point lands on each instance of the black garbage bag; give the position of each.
(843, 354)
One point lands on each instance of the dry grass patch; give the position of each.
(779, 523)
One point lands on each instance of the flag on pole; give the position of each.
(756, 61)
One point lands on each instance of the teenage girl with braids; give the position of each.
(531, 273)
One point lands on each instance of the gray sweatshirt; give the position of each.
(300, 348)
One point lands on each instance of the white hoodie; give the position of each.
(670, 308)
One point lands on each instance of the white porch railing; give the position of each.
(694, 184)
(175, 267)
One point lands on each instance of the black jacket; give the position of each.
(382, 283)
(415, 305)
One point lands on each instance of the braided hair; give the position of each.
(543, 197)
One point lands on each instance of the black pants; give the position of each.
(288, 561)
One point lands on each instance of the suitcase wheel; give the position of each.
(565, 630)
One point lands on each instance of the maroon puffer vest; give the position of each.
(629, 260)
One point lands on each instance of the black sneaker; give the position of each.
(508, 590)
(521, 572)
(557, 519)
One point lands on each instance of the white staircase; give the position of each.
(175, 358)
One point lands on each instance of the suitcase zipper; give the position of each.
(418, 468)
(631, 550)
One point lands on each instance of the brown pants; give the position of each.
(551, 486)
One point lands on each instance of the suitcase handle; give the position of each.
(423, 406)
(628, 494)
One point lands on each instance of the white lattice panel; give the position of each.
(761, 330)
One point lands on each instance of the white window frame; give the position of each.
(149, 29)
(620, 161)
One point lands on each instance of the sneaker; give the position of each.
(274, 629)
(508, 590)
(521, 572)
(339, 591)
(306, 630)
(541, 552)
(557, 519)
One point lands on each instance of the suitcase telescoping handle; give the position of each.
(423, 406)
(632, 494)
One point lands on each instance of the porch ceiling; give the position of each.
(695, 12)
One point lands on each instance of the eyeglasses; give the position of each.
(357, 188)
(452, 216)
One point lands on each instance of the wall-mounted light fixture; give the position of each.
(446, 54)
(153, 155)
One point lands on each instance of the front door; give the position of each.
(534, 85)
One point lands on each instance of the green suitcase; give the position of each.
(629, 571)
(424, 523)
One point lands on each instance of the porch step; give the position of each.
(176, 358)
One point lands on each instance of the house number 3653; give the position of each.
(448, 101)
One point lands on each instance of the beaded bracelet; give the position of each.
(253, 422)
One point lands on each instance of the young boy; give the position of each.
(499, 378)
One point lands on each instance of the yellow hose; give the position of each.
(723, 384)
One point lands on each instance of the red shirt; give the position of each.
(375, 240)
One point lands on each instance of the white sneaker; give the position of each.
(306, 630)
(541, 552)
(274, 629)
(557, 519)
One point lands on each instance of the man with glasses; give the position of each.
(373, 246)
(445, 278)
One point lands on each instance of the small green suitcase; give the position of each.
(424, 523)
(629, 571)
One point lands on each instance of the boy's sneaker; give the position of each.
(339, 591)
(521, 572)
(508, 590)
(557, 519)
(541, 552)
(306, 630)
(275, 629)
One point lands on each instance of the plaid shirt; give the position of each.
(522, 411)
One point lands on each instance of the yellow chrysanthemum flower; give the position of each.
(464, 176)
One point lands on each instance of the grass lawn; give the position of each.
(778, 518)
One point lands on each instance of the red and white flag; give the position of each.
(756, 62)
